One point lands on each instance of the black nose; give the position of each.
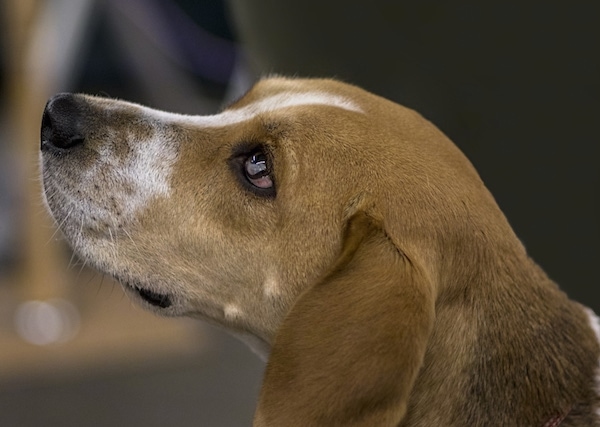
(62, 122)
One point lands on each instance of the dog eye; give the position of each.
(258, 171)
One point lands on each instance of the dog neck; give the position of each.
(258, 346)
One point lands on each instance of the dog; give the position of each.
(342, 236)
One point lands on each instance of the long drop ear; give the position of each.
(348, 352)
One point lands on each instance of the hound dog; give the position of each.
(344, 237)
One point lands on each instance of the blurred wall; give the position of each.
(73, 349)
(514, 84)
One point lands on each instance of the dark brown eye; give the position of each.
(252, 165)
(258, 170)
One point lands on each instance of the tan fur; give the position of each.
(383, 277)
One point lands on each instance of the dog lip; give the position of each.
(151, 297)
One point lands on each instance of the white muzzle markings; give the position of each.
(148, 172)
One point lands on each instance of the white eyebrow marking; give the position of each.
(271, 103)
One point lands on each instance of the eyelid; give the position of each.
(247, 148)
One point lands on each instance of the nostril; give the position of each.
(62, 122)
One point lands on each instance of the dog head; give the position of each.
(339, 231)
(231, 217)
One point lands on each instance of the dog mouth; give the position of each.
(153, 298)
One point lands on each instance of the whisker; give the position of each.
(59, 226)
(133, 242)
(94, 275)
(99, 286)
(113, 240)
(81, 269)
(113, 283)
(50, 196)
(71, 265)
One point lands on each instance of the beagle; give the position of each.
(344, 237)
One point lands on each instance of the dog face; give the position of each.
(230, 217)
(194, 214)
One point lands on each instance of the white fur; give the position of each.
(232, 311)
(595, 323)
(151, 166)
(142, 176)
(250, 111)
(149, 171)
(271, 286)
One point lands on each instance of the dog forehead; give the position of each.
(281, 88)
(262, 99)
(273, 103)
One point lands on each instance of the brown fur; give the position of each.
(383, 277)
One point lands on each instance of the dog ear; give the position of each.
(348, 352)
